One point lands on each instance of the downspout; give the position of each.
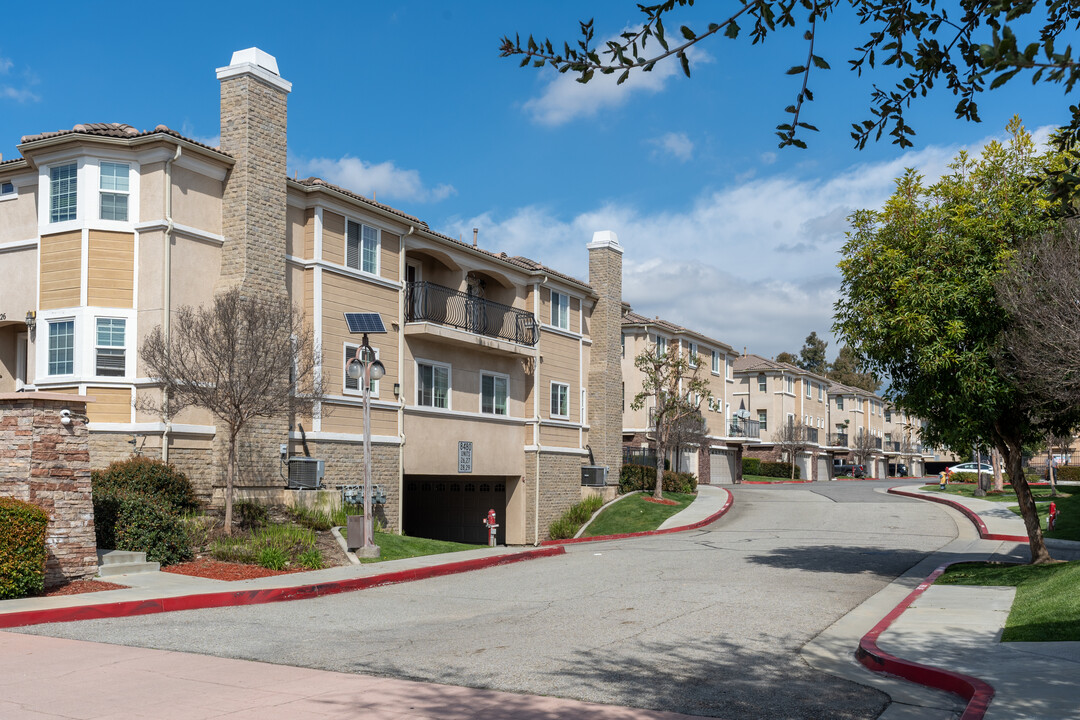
(166, 292)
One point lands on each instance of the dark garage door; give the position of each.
(454, 509)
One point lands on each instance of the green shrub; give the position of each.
(273, 558)
(575, 516)
(778, 469)
(1070, 473)
(250, 515)
(22, 548)
(290, 541)
(311, 559)
(751, 466)
(141, 523)
(964, 477)
(152, 477)
(635, 478)
(678, 482)
(312, 518)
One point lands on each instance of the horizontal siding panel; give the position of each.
(111, 268)
(558, 436)
(61, 265)
(350, 419)
(112, 405)
(333, 241)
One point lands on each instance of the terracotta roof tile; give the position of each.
(117, 130)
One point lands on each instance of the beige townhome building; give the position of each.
(776, 395)
(502, 375)
(866, 429)
(728, 431)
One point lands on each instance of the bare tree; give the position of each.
(862, 447)
(907, 450)
(242, 358)
(1054, 441)
(689, 432)
(792, 438)
(672, 385)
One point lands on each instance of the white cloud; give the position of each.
(677, 145)
(384, 180)
(564, 98)
(5, 65)
(18, 94)
(752, 264)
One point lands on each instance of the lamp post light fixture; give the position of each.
(365, 367)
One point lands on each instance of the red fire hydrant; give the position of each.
(490, 523)
(1052, 520)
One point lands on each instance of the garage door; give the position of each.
(721, 467)
(453, 509)
(823, 469)
(803, 462)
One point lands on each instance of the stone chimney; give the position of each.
(605, 366)
(253, 131)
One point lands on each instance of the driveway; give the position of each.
(706, 622)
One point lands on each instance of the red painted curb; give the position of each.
(977, 693)
(971, 515)
(694, 526)
(259, 597)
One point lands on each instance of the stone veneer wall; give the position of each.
(47, 463)
(605, 397)
(560, 487)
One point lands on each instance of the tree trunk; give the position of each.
(995, 462)
(658, 491)
(1051, 471)
(1013, 460)
(792, 458)
(230, 475)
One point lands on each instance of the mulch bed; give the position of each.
(77, 587)
(217, 570)
(665, 501)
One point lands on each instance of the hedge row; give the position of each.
(22, 548)
(636, 478)
(138, 506)
(757, 466)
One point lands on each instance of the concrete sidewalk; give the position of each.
(709, 501)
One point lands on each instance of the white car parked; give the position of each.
(970, 467)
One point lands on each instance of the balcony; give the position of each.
(469, 320)
(743, 427)
(838, 440)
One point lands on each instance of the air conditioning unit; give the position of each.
(594, 475)
(305, 473)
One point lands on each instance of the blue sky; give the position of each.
(723, 232)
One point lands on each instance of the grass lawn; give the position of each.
(762, 478)
(396, 547)
(1068, 504)
(635, 514)
(1046, 607)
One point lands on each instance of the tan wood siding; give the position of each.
(111, 404)
(111, 269)
(333, 238)
(297, 242)
(341, 294)
(560, 363)
(389, 247)
(61, 264)
(558, 436)
(350, 419)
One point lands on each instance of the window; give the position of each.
(762, 383)
(493, 394)
(820, 392)
(888, 415)
(354, 385)
(63, 192)
(560, 310)
(433, 385)
(114, 191)
(716, 362)
(790, 385)
(693, 355)
(62, 347)
(727, 367)
(109, 351)
(7, 188)
(763, 419)
(361, 247)
(624, 345)
(560, 400)
(839, 403)
(661, 345)
(808, 384)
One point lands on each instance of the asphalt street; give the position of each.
(707, 622)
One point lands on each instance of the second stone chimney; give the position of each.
(605, 366)
(253, 130)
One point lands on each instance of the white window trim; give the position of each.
(503, 376)
(100, 191)
(656, 344)
(766, 383)
(449, 383)
(809, 389)
(85, 365)
(552, 295)
(14, 190)
(359, 391)
(360, 250)
(716, 362)
(551, 390)
(88, 190)
(691, 354)
(74, 346)
(94, 329)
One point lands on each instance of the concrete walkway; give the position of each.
(710, 499)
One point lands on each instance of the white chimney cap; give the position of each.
(605, 239)
(254, 61)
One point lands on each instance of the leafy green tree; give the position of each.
(921, 43)
(847, 370)
(673, 389)
(812, 355)
(789, 358)
(918, 302)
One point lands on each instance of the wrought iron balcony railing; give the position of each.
(428, 302)
(838, 440)
(743, 427)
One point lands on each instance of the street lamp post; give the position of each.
(365, 367)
